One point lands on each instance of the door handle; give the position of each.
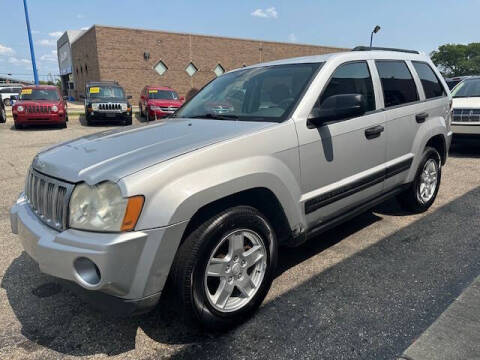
(374, 132)
(421, 117)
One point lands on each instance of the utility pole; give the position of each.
(32, 53)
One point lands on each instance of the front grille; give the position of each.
(168, 109)
(38, 109)
(466, 115)
(48, 198)
(109, 106)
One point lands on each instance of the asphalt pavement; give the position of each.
(368, 289)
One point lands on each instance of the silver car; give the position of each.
(207, 197)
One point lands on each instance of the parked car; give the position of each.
(39, 105)
(452, 82)
(206, 198)
(8, 92)
(157, 102)
(466, 107)
(107, 101)
(3, 113)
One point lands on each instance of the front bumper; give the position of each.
(133, 266)
(158, 114)
(109, 116)
(40, 119)
(459, 128)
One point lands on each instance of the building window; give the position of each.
(219, 70)
(77, 70)
(191, 69)
(160, 68)
(81, 69)
(86, 68)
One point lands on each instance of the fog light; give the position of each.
(87, 271)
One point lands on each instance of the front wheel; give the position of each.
(224, 268)
(3, 115)
(422, 192)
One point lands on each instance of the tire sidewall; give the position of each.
(231, 220)
(429, 153)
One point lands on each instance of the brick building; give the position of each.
(136, 58)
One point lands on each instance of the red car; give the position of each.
(157, 102)
(40, 105)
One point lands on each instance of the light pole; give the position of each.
(32, 53)
(375, 30)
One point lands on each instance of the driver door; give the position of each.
(342, 161)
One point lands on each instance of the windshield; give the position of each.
(266, 93)
(102, 92)
(162, 94)
(39, 94)
(467, 88)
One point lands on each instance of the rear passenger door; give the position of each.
(404, 116)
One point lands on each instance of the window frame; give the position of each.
(419, 99)
(376, 109)
(445, 93)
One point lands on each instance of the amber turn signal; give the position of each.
(134, 208)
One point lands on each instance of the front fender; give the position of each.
(181, 198)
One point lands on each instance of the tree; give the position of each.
(457, 59)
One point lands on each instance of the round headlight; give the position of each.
(20, 108)
(99, 208)
(54, 108)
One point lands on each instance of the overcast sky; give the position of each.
(419, 24)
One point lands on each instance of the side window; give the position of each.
(351, 78)
(397, 83)
(431, 84)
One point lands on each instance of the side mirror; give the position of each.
(338, 107)
(129, 96)
(182, 98)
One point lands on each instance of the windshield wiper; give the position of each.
(215, 116)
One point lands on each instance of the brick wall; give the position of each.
(118, 54)
(85, 61)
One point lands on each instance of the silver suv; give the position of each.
(207, 197)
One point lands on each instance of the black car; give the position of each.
(452, 82)
(106, 101)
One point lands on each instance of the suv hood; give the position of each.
(37, 102)
(164, 102)
(113, 154)
(107, 100)
(467, 102)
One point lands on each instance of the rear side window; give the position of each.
(397, 83)
(431, 84)
(351, 78)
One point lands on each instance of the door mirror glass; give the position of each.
(338, 107)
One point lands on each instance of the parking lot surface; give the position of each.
(365, 290)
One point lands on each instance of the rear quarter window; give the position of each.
(430, 82)
(397, 83)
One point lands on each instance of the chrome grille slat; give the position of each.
(48, 198)
(466, 115)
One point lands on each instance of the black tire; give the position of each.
(193, 255)
(18, 126)
(3, 115)
(141, 110)
(63, 125)
(88, 121)
(147, 116)
(127, 122)
(410, 199)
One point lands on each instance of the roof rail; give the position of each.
(368, 48)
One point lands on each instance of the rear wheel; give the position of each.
(127, 122)
(147, 115)
(422, 192)
(141, 110)
(224, 268)
(18, 126)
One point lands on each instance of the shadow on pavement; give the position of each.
(465, 147)
(369, 306)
